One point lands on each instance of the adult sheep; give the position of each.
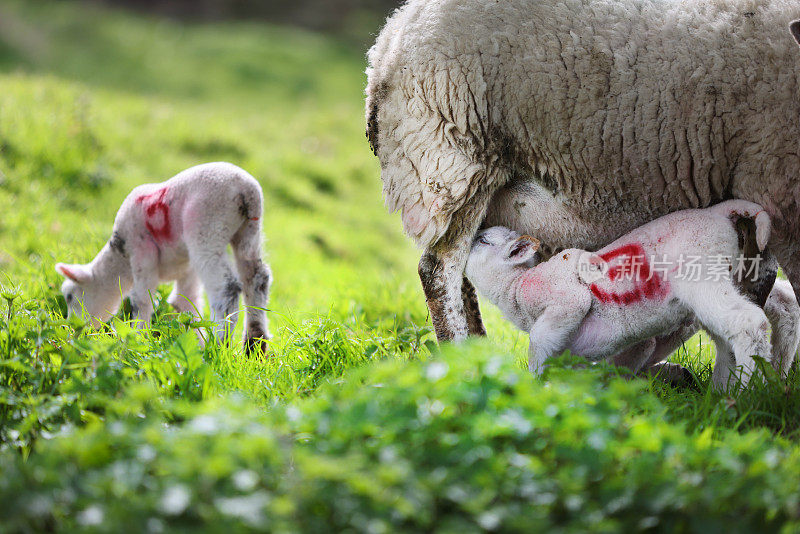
(578, 120)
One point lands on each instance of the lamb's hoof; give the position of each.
(672, 374)
(683, 379)
(254, 344)
(675, 375)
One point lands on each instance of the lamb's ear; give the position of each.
(75, 272)
(523, 249)
(794, 27)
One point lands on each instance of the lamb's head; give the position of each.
(84, 293)
(498, 253)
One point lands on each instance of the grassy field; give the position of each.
(124, 430)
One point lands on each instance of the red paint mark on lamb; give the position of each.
(629, 264)
(156, 215)
(533, 285)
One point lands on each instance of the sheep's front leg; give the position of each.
(441, 276)
(472, 309)
(551, 333)
(145, 282)
(451, 299)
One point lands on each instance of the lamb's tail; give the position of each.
(738, 209)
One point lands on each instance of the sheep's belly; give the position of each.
(608, 329)
(559, 222)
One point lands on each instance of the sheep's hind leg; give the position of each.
(187, 297)
(724, 364)
(256, 280)
(733, 321)
(635, 357)
(452, 305)
(222, 287)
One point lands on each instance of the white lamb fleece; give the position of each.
(619, 111)
(179, 230)
(600, 304)
(783, 312)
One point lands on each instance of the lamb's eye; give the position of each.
(482, 240)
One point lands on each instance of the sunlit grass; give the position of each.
(94, 102)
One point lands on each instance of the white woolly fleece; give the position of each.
(623, 110)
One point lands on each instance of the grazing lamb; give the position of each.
(614, 112)
(651, 282)
(180, 230)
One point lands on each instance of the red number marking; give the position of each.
(157, 215)
(632, 265)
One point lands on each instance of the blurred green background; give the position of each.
(355, 18)
(96, 99)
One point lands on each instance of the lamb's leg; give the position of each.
(733, 320)
(724, 364)
(145, 282)
(222, 286)
(664, 347)
(648, 356)
(783, 313)
(551, 333)
(667, 344)
(472, 309)
(788, 256)
(635, 357)
(187, 296)
(256, 279)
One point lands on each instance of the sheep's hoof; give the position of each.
(254, 344)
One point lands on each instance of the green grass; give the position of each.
(94, 102)
(464, 443)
